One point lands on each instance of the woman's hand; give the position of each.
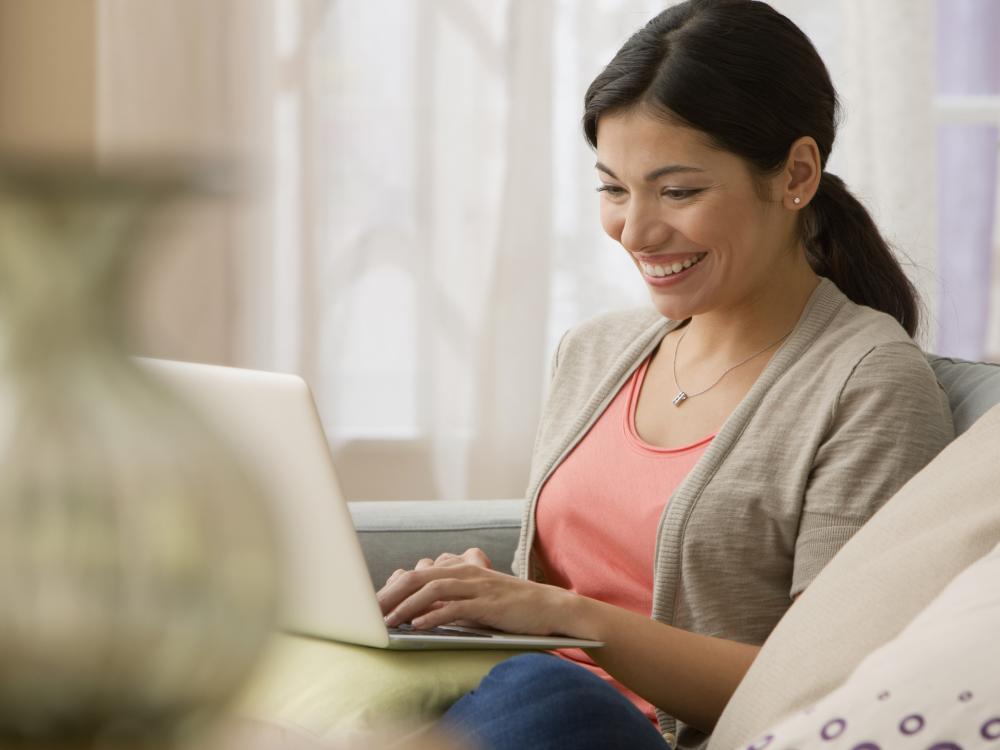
(471, 556)
(440, 594)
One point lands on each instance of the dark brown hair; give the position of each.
(752, 82)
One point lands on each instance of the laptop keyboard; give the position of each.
(407, 629)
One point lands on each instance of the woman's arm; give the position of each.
(890, 419)
(689, 676)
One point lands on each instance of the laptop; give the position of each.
(271, 421)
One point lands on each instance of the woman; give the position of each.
(773, 394)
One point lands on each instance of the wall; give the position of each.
(111, 78)
(47, 75)
(177, 81)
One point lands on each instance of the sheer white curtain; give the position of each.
(433, 225)
(881, 58)
(430, 217)
(453, 231)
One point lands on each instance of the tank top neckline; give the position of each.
(632, 435)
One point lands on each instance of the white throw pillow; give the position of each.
(942, 521)
(936, 686)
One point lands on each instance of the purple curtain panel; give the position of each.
(968, 63)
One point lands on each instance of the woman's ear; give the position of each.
(801, 175)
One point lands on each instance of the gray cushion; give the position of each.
(972, 387)
(396, 534)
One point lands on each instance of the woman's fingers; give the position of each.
(390, 594)
(395, 576)
(390, 580)
(411, 581)
(442, 594)
(446, 612)
(475, 556)
(442, 560)
(471, 556)
(425, 599)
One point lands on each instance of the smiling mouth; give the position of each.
(669, 269)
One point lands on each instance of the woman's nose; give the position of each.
(644, 227)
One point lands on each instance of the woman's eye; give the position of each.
(679, 194)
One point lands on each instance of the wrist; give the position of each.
(579, 616)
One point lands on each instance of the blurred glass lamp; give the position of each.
(137, 566)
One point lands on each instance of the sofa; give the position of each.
(942, 522)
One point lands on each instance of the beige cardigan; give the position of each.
(846, 411)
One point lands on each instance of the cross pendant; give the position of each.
(679, 398)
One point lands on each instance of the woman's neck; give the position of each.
(755, 322)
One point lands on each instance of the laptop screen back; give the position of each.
(271, 421)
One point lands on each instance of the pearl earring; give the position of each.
(796, 200)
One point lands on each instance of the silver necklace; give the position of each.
(682, 396)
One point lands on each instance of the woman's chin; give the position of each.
(671, 308)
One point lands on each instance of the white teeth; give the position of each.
(661, 271)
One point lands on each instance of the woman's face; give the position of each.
(689, 217)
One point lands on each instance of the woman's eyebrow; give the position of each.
(656, 173)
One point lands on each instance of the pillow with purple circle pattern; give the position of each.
(936, 686)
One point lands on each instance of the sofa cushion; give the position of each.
(942, 520)
(336, 691)
(395, 534)
(936, 684)
(972, 387)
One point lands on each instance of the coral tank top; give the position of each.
(598, 514)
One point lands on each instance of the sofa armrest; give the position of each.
(395, 534)
(973, 388)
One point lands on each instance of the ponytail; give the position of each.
(844, 245)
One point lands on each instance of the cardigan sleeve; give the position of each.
(518, 551)
(889, 420)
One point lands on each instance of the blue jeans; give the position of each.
(542, 702)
